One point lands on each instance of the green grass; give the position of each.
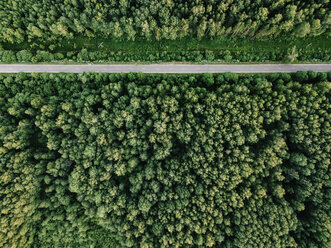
(309, 47)
(141, 45)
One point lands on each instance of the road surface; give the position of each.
(166, 68)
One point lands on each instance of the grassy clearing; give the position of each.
(244, 50)
(143, 46)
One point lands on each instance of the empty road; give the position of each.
(166, 68)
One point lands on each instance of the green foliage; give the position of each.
(221, 49)
(24, 56)
(135, 160)
(53, 20)
(292, 55)
(302, 30)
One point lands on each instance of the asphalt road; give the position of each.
(166, 68)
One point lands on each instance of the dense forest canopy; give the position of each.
(49, 20)
(134, 160)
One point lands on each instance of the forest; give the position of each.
(50, 20)
(137, 160)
